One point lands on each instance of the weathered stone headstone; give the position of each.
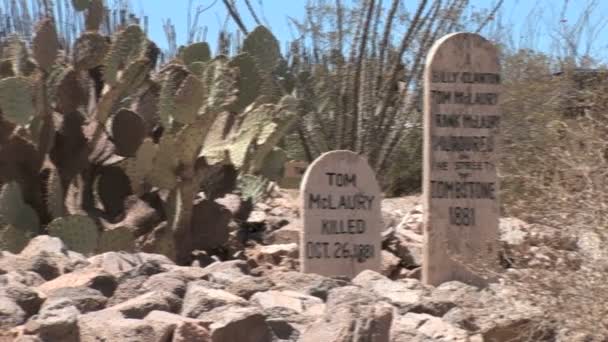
(340, 200)
(461, 125)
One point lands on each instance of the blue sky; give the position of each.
(531, 23)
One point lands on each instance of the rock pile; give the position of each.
(48, 293)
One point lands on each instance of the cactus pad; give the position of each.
(264, 48)
(13, 239)
(248, 81)
(138, 168)
(45, 44)
(116, 239)
(188, 100)
(128, 132)
(128, 46)
(15, 211)
(6, 68)
(253, 187)
(16, 99)
(79, 233)
(70, 94)
(113, 187)
(198, 68)
(162, 175)
(55, 195)
(197, 52)
(81, 5)
(18, 54)
(172, 78)
(89, 51)
(220, 80)
(94, 15)
(274, 164)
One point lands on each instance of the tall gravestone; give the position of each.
(460, 183)
(340, 200)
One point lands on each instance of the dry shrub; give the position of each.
(554, 171)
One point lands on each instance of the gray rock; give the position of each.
(247, 286)
(233, 323)
(28, 299)
(115, 263)
(274, 254)
(285, 235)
(111, 326)
(404, 294)
(58, 324)
(185, 329)
(461, 318)
(352, 314)
(166, 282)
(7, 262)
(189, 273)
(11, 314)
(200, 299)
(128, 287)
(27, 278)
(301, 303)
(142, 305)
(188, 332)
(228, 272)
(84, 298)
(44, 243)
(236, 265)
(445, 297)
(93, 278)
(49, 257)
(423, 327)
(308, 283)
(286, 324)
(513, 231)
(390, 264)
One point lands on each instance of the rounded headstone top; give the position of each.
(340, 200)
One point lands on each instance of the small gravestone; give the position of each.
(461, 125)
(341, 216)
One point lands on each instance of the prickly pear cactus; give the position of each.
(94, 16)
(55, 195)
(80, 233)
(197, 52)
(248, 83)
(128, 131)
(16, 99)
(13, 239)
(81, 5)
(274, 164)
(188, 100)
(89, 51)
(15, 211)
(220, 80)
(163, 174)
(116, 239)
(19, 57)
(128, 46)
(45, 44)
(18, 221)
(172, 77)
(254, 188)
(264, 47)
